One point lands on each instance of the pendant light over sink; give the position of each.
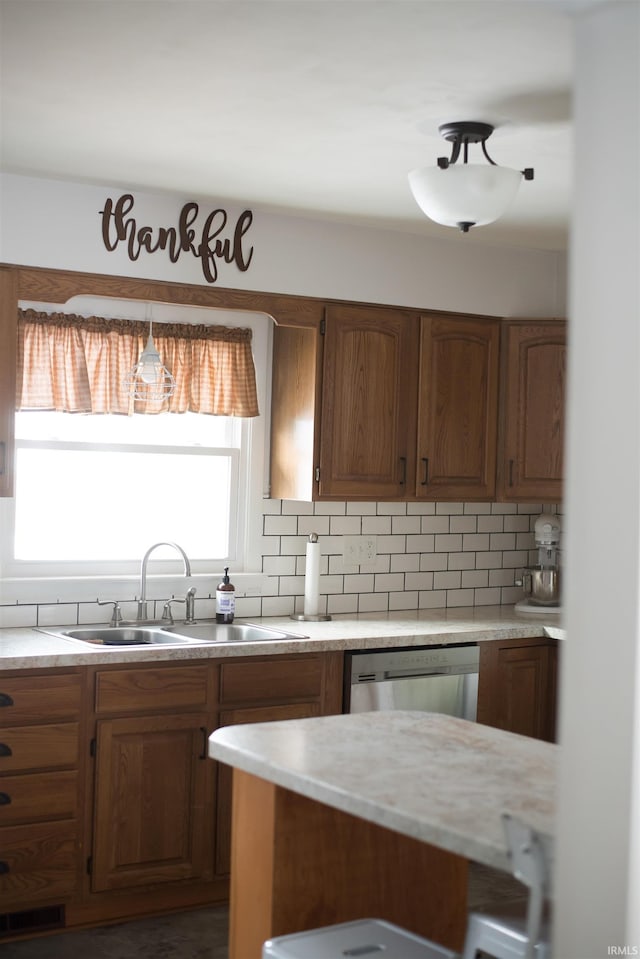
(150, 379)
(466, 194)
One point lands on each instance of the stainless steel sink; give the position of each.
(124, 636)
(178, 635)
(231, 632)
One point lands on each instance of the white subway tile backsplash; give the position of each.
(421, 543)
(378, 525)
(450, 579)
(361, 509)
(280, 525)
(405, 600)
(460, 597)
(463, 524)
(406, 524)
(418, 581)
(17, 616)
(475, 541)
(392, 509)
(448, 542)
(373, 602)
(490, 524)
(346, 525)
(429, 555)
(389, 582)
(314, 524)
(404, 562)
(435, 524)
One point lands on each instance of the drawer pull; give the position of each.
(5, 750)
(5, 699)
(5, 799)
(4, 867)
(203, 754)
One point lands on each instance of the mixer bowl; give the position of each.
(542, 585)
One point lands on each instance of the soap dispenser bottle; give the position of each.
(225, 599)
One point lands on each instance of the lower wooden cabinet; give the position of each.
(517, 687)
(40, 790)
(152, 801)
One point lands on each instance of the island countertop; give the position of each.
(436, 778)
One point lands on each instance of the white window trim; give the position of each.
(166, 575)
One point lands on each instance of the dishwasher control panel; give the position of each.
(376, 666)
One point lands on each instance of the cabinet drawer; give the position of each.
(29, 699)
(38, 747)
(138, 690)
(37, 797)
(270, 680)
(37, 863)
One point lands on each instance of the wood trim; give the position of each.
(8, 364)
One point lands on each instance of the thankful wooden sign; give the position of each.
(217, 239)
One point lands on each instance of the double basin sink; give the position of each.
(178, 635)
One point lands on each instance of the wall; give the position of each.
(429, 556)
(58, 225)
(445, 555)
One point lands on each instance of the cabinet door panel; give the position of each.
(534, 412)
(516, 688)
(458, 408)
(150, 822)
(369, 375)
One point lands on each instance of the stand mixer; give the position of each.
(541, 583)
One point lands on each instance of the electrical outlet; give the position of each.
(357, 550)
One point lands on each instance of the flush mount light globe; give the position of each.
(465, 194)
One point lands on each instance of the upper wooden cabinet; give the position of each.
(457, 408)
(386, 405)
(368, 403)
(534, 368)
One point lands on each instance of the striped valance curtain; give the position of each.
(77, 364)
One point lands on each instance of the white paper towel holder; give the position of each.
(311, 617)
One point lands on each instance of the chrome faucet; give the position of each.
(142, 614)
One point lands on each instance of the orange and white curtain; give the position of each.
(80, 365)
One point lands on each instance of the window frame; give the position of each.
(23, 578)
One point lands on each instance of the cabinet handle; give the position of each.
(425, 481)
(5, 750)
(403, 470)
(5, 799)
(3, 457)
(510, 472)
(5, 699)
(203, 754)
(4, 867)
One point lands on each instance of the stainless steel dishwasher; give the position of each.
(438, 679)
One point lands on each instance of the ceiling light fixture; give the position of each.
(465, 194)
(149, 379)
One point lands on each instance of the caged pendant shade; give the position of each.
(150, 379)
(465, 194)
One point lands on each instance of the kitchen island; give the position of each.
(342, 817)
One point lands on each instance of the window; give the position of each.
(94, 492)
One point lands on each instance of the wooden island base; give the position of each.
(298, 864)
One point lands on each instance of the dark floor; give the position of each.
(202, 934)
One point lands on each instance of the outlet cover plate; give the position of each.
(357, 550)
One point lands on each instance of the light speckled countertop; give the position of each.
(25, 648)
(432, 777)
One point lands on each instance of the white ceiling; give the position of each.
(311, 107)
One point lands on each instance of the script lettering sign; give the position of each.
(216, 240)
